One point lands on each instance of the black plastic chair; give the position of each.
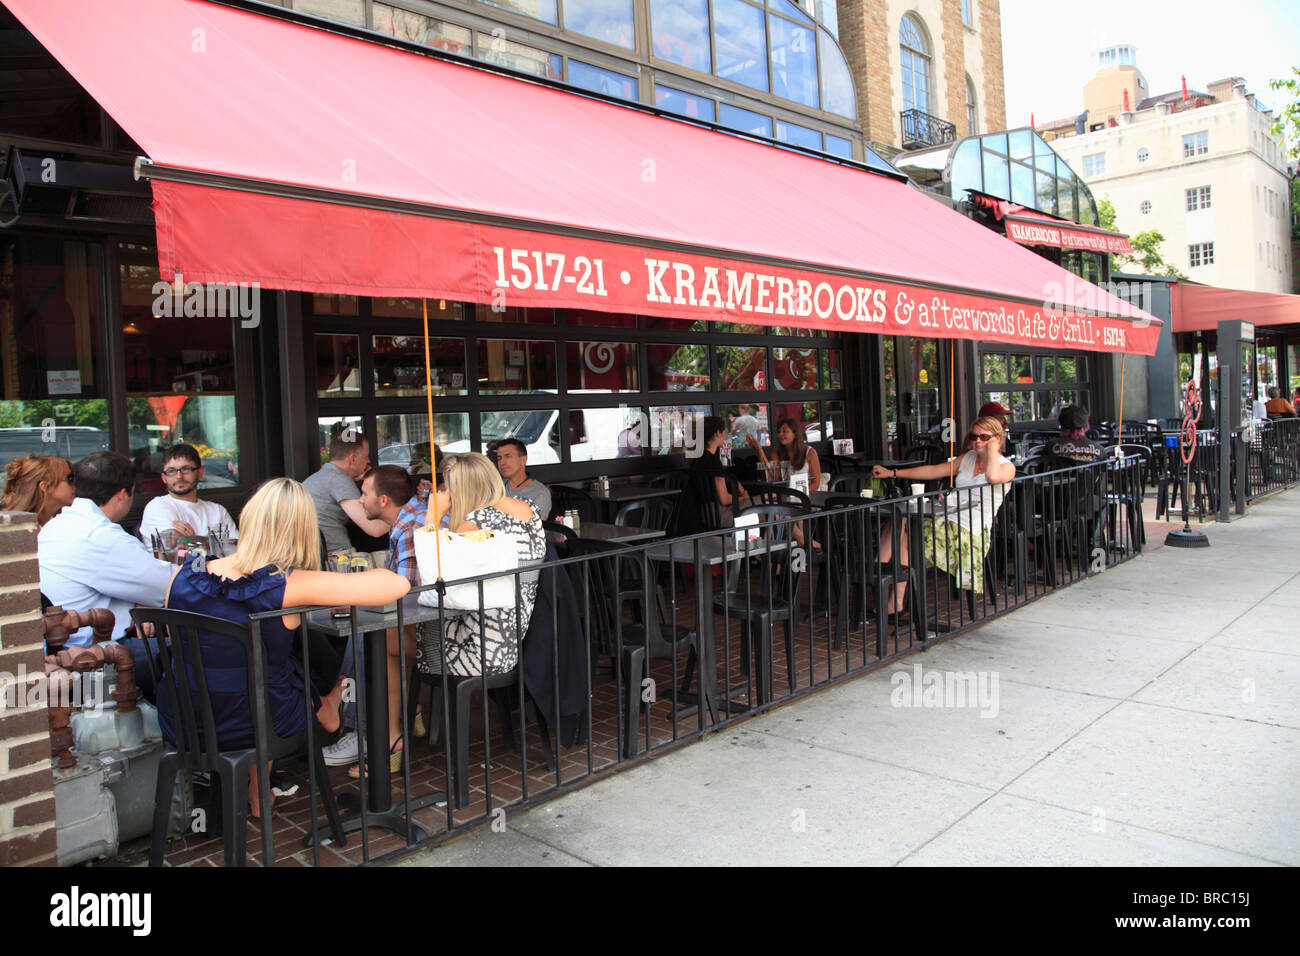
(567, 534)
(765, 493)
(653, 514)
(564, 498)
(855, 567)
(850, 482)
(178, 639)
(927, 452)
(462, 694)
(631, 644)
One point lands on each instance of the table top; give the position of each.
(620, 494)
(713, 550)
(600, 531)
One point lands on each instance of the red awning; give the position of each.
(303, 159)
(1198, 308)
(1032, 228)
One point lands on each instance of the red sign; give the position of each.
(1062, 237)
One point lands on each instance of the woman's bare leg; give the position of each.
(395, 678)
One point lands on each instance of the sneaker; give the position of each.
(342, 753)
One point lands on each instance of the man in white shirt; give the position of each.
(181, 509)
(87, 560)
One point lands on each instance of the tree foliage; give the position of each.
(1287, 119)
(1146, 254)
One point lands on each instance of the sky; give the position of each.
(1049, 48)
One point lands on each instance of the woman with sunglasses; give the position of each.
(41, 484)
(956, 539)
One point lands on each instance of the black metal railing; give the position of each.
(920, 130)
(1272, 456)
(645, 647)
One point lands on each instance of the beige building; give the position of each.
(926, 71)
(1200, 166)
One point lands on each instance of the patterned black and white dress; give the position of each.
(501, 628)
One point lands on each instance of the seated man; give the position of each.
(512, 462)
(388, 495)
(334, 489)
(1073, 447)
(181, 510)
(87, 560)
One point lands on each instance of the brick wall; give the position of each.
(954, 66)
(867, 43)
(994, 94)
(26, 781)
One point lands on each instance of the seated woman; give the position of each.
(41, 484)
(956, 540)
(791, 446)
(275, 565)
(476, 498)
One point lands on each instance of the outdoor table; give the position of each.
(599, 531)
(704, 554)
(373, 626)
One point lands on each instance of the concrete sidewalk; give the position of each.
(1147, 716)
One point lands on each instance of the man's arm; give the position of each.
(375, 527)
(155, 517)
(544, 503)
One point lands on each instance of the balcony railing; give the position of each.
(921, 130)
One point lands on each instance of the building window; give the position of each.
(1146, 206)
(967, 14)
(608, 20)
(1035, 385)
(1196, 144)
(740, 41)
(1200, 254)
(1143, 155)
(916, 65)
(1198, 197)
(679, 32)
(972, 113)
(684, 104)
(1094, 164)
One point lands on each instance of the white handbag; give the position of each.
(464, 556)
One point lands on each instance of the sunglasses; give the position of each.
(70, 478)
(977, 437)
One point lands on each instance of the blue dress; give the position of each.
(195, 589)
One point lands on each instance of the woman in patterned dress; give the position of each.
(476, 499)
(956, 540)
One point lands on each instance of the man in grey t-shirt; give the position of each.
(512, 462)
(334, 489)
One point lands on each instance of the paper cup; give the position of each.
(918, 488)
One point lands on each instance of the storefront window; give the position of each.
(681, 32)
(794, 61)
(421, 29)
(807, 414)
(334, 304)
(678, 325)
(601, 366)
(486, 313)
(1030, 384)
(329, 426)
(338, 366)
(600, 80)
(834, 363)
(538, 429)
(400, 369)
(537, 9)
(794, 368)
(609, 21)
(677, 429)
(742, 369)
(837, 81)
(684, 104)
(440, 309)
(610, 320)
(741, 43)
(179, 355)
(497, 50)
(594, 433)
(508, 366)
(677, 368)
(747, 418)
(52, 398)
(403, 440)
(836, 424)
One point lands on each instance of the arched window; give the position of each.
(972, 113)
(915, 51)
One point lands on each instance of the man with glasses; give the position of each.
(181, 510)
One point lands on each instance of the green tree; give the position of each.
(1146, 253)
(1287, 121)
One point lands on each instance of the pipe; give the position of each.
(84, 659)
(60, 625)
(59, 684)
